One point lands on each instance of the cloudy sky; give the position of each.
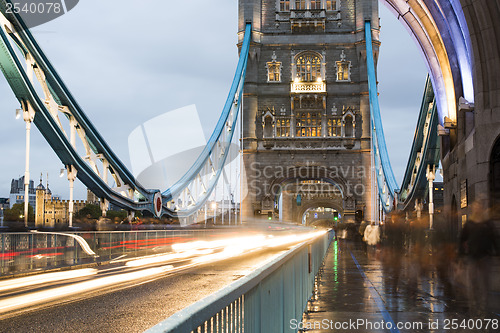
(128, 61)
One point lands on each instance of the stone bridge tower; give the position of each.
(306, 137)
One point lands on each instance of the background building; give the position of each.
(51, 211)
(16, 195)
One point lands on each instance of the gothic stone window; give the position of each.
(282, 127)
(343, 68)
(308, 124)
(268, 126)
(349, 126)
(334, 126)
(300, 4)
(315, 4)
(331, 5)
(273, 70)
(308, 66)
(284, 5)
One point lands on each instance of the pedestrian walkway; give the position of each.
(360, 291)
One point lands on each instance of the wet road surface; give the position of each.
(138, 306)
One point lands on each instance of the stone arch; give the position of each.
(268, 125)
(320, 203)
(349, 123)
(292, 177)
(442, 34)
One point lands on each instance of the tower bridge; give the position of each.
(305, 96)
(309, 99)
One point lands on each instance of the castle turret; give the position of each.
(40, 204)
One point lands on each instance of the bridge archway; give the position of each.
(320, 213)
(440, 30)
(296, 196)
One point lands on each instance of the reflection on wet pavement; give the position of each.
(380, 291)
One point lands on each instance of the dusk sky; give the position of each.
(126, 62)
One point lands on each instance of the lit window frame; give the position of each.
(284, 5)
(334, 127)
(274, 70)
(308, 66)
(331, 5)
(343, 69)
(308, 125)
(282, 125)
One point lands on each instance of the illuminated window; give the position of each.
(343, 68)
(282, 127)
(284, 5)
(334, 127)
(315, 4)
(308, 124)
(331, 5)
(300, 4)
(308, 67)
(273, 70)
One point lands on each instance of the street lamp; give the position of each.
(28, 116)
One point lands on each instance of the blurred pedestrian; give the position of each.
(372, 234)
(394, 248)
(361, 232)
(477, 243)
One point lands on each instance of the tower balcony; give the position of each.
(308, 20)
(308, 87)
(307, 14)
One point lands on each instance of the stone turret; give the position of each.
(40, 204)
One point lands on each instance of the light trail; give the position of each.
(194, 253)
(17, 283)
(35, 298)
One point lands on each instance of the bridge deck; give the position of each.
(361, 285)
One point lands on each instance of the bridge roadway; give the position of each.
(123, 298)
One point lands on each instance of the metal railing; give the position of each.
(31, 251)
(266, 300)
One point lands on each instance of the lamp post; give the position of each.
(28, 116)
(71, 177)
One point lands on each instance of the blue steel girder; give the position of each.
(26, 68)
(386, 182)
(40, 90)
(424, 151)
(191, 192)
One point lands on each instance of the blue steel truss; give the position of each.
(18, 49)
(23, 63)
(424, 151)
